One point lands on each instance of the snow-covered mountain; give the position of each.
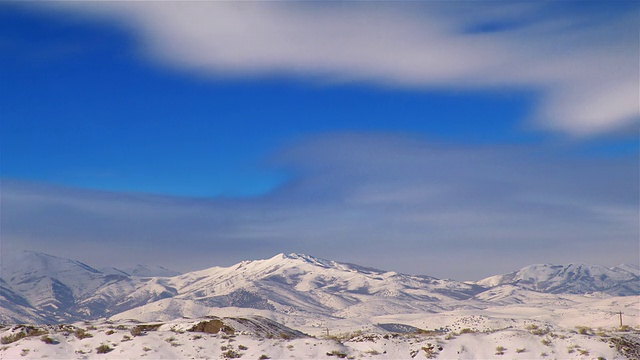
(571, 279)
(634, 269)
(14, 308)
(36, 287)
(305, 285)
(56, 289)
(47, 284)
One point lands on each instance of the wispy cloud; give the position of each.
(389, 201)
(583, 65)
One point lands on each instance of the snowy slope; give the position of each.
(14, 308)
(511, 294)
(36, 287)
(634, 269)
(463, 336)
(302, 284)
(571, 279)
(48, 283)
(58, 289)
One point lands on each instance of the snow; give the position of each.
(358, 306)
(634, 269)
(571, 278)
(173, 340)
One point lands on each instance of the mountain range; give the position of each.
(40, 288)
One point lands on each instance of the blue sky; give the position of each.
(249, 129)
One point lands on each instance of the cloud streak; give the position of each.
(583, 66)
(389, 201)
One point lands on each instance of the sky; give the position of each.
(451, 139)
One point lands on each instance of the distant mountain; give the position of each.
(57, 289)
(634, 269)
(142, 271)
(36, 287)
(48, 284)
(571, 279)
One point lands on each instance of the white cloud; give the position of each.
(584, 67)
(380, 200)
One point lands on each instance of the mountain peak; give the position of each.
(296, 259)
(310, 259)
(34, 261)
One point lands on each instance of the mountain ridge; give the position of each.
(574, 278)
(36, 287)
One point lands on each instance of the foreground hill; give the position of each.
(461, 336)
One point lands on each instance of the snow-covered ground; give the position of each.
(522, 334)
